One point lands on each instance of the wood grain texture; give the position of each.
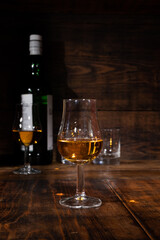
(89, 52)
(139, 132)
(29, 207)
(140, 195)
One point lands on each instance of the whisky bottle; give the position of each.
(35, 91)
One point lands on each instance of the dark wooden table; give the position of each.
(130, 192)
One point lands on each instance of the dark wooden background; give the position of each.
(108, 50)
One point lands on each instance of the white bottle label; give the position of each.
(27, 98)
(27, 115)
(27, 112)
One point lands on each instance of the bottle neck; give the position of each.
(36, 66)
(35, 74)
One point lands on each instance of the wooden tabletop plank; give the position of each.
(139, 192)
(30, 209)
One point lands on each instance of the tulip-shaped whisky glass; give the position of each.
(79, 141)
(27, 130)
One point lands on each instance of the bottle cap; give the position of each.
(35, 44)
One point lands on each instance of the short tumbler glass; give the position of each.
(111, 150)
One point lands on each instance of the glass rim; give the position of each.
(79, 99)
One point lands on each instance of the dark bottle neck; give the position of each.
(35, 74)
(36, 66)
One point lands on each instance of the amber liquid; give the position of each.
(27, 137)
(79, 151)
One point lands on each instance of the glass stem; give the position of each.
(26, 157)
(80, 188)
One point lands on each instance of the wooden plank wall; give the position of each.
(109, 50)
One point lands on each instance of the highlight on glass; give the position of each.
(79, 141)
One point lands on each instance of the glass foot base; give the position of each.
(26, 171)
(80, 202)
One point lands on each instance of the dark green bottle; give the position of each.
(35, 91)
